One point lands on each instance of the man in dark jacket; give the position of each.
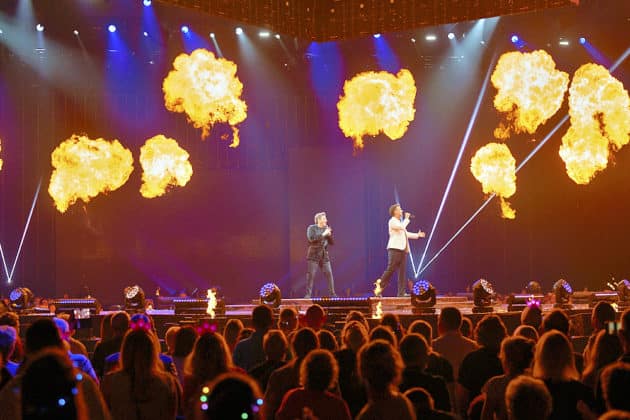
(319, 237)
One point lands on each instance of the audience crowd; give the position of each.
(302, 367)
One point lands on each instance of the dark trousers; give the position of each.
(396, 260)
(311, 269)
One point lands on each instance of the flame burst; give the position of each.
(207, 90)
(376, 102)
(495, 168)
(530, 91)
(164, 164)
(0, 151)
(599, 108)
(84, 168)
(378, 314)
(212, 302)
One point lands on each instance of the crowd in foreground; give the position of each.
(296, 368)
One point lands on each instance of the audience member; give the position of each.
(415, 355)
(554, 364)
(466, 328)
(615, 383)
(527, 398)
(451, 343)
(438, 365)
(232, 333)
(516, 357)
(318, 373)
(249, 352)
(353, 337)
(230, 396)
(169, 339)
(275, 347)
(602, 314)
(184, 343)
(327, 340)
(393, 322)
(106, 347)
(140, 388)
(615, 415)
(558, 320)
(424, 406)
(359, 317)
(380, 366)
(526, 331)
(532, 316)
(76, 346)
(8, 369)
(106, 327)
(288, 321)
(287, 377)
(605, 350)
(384, 333)
(210, 358)
(482, 364)
(11, 319)
(315, 317)
(79, 361)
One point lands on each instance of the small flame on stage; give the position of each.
(377, 102)
(530, 90)
(207, 90)
(378, 313)
(495, 168)
(0, 151)
(212, 302)
(599, 108)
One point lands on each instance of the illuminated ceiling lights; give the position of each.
(431, 37)
(563, 42)
(264, 34)
(39, 27)
(238, 31)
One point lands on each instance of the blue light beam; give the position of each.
(458, 160)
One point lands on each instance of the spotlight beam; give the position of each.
(4, 263)
(612, 68)
(460, 154)
(26, 226)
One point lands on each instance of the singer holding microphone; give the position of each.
(398, 248)
(319, 237)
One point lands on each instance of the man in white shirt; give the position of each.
(398, 248)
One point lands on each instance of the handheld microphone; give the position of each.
(412, 216)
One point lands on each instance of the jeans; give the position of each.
(396, 260)
(310, 274)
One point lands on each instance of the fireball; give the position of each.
(85, 168)
(377, 102)
(495, 168)
(207, 90)
(164, 164)
(530, 91)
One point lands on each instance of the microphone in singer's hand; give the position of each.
(412, 216)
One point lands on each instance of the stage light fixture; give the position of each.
(145, 34)
(111, 28)
(75, 32)
(622, 288)
(582, 40)
(39, 27)
(377, 36)
(185, 29)
(134, 298)
(451, 35)
(563, 291)
(483, 294)
(270, 295)
(20, 299)
(514, 39)
(1, 31)
(277, 36)
(146, 3)
(430, 38)
(413, 40)
(212, 35)
(423, 297)
(563, 43)
(264, 34)
(533, 288)
(238, 30)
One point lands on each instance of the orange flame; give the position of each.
(85, 168)
(212, 303)
(164, 164)
(530, 91)
(1, 159)
(207, 90)
(378, 312)
(495, 168)
(376, 102)
(599, 108)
